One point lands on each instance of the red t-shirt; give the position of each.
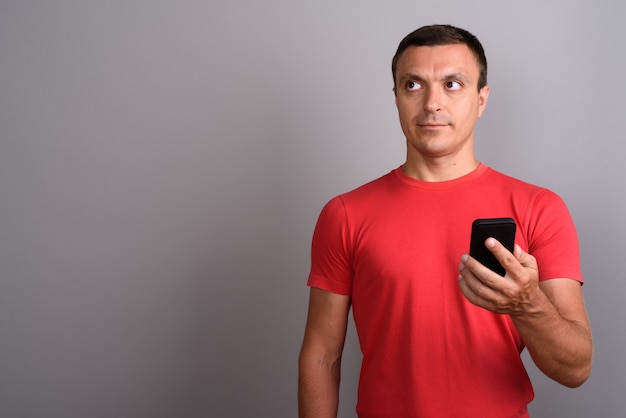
(394, 246)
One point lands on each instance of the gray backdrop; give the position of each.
(162, 166)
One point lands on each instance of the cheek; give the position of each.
(406, 121)
(406, 110)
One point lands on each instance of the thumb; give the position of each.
(517, 251)
(523, 257)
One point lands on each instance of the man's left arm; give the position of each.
(550, 316)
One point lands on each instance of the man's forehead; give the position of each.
(439, 53)
(442, 59)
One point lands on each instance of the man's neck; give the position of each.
(439, 170)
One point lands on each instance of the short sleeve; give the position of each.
(553, 240)
(331, 254)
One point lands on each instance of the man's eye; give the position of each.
(413, 85)
(453, 85)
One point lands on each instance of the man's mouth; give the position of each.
(430, 125)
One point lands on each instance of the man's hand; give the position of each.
(513, 294)
(550, 316)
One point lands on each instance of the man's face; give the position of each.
(438, 100)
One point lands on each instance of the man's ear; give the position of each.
(483, 97)
(395, 96)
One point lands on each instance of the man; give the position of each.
(441, 339)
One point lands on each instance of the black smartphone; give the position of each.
(502, 229)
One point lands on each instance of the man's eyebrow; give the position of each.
(446, 77)
(457, 76)
(410, 76)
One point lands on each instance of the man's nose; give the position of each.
(433, 100)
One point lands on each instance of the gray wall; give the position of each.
(162, 165)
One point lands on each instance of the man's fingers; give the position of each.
(504, 256)
(525, 259)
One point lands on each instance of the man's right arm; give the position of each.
(320, 358)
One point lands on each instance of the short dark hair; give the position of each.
(436, 35)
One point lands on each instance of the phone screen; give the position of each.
(502, 229)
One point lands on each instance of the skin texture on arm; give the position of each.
(319, 364)
(550, 316)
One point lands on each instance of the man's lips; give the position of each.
(432, 125)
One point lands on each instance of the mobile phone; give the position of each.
(502, 229)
